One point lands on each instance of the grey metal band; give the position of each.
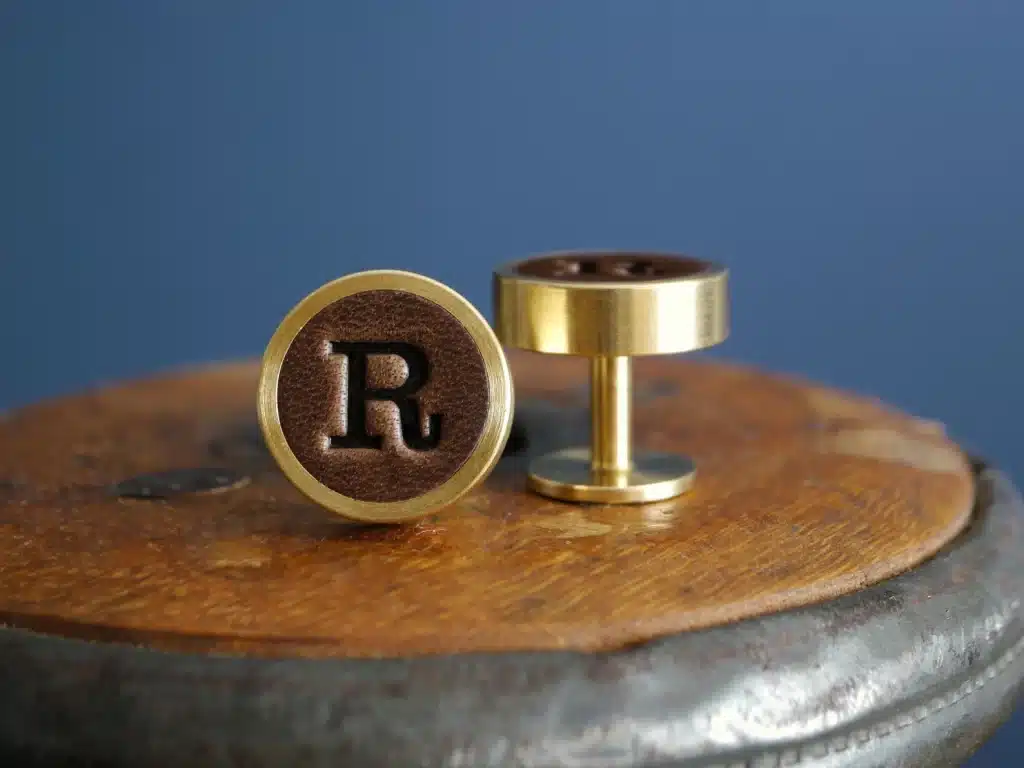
(912, 672)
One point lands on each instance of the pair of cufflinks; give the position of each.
(385, 396)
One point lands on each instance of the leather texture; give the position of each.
(447, 405)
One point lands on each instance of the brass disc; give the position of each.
(567, 475)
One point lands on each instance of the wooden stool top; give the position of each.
(803, 494)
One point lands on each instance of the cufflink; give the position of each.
(611, 307)
(385, 396)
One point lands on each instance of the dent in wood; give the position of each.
(238, 554)
(573, 525)
(604, 520)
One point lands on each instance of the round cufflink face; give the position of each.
(385, 396)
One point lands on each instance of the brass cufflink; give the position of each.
(611, 307)
(384, 396)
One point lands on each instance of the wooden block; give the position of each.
(841, 589)
(803, 494)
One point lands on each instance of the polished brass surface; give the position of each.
(647, 315)
(611, 306)
(569, 475)
(611, 412)
(492, 439)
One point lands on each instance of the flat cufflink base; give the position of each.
(567, 475)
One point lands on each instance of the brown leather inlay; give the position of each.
(335, 383)
(624, 267)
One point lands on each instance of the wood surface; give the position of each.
(803, 493)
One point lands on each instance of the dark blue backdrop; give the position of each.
(175, 175)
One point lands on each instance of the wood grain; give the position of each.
(803, 493)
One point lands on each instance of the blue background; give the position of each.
(174, 176)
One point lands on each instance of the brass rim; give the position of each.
(593, 318)
(500, 396)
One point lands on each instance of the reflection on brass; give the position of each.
(611, 306)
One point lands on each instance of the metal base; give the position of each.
(566, 475)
